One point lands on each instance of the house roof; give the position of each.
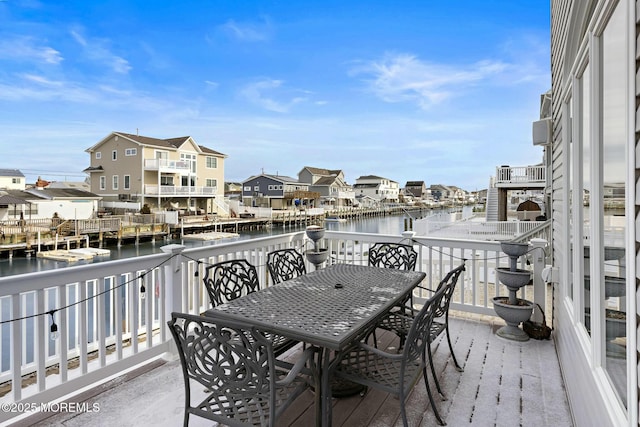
(375, 177)
(414, 184)
(282, 178)
(11, 172)
(326, 180)
(7, 199)
(168, 143)
(61, 193)
(321, 171)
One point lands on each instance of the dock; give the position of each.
(73, 255)
(212, 235)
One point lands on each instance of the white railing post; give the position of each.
(539, 287)
(173, 288)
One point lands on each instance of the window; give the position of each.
(98, 155)
(612, 203)
(212, 162)
(127, 182)
(256, 188)
(211, 182)
(166, 180)
(114, 183)
(247, 188)
(103, 182)
(15, 180)
(191, 159)
(114, 155)
(131, 152)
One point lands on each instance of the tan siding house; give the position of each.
(130, 171)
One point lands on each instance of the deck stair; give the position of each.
(492, 204)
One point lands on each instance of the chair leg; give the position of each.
(403, 412)
(433, 371)
(453, 355)
(433, 404)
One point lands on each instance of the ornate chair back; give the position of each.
(234, 363)
(393, 255)
(229, 280)
(285, 264)
(418, 336)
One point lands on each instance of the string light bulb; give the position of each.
(54, 334)
(143, 291)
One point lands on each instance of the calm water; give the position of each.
(382, 225)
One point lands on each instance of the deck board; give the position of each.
(504, 383)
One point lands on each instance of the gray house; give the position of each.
(277, 192)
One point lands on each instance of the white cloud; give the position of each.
(256, 93)
(405, 78)
(248, 32)
(28, 49)
(97, 51)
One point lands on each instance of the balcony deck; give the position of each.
(504, 383)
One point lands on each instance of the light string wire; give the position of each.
(53, 311)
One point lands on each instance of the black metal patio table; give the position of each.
(327, 308)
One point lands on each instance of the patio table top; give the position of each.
(311, 308)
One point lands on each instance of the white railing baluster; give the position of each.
(100, 320)
(16, 353)
(39, 334)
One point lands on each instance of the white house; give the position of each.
(377, 188)
(12, 179)
(66, 203)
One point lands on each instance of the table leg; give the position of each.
(324, 362)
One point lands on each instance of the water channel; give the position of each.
(392, 224)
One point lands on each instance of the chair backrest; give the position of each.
(285, 264)
(234, 362)
(393, 255)
(418, 335)
(228, 280)
(449, 283)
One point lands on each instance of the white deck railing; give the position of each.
(106, 327)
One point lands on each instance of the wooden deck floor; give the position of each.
(504, 383)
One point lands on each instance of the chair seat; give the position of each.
(400, 324)
(253, 410)
(371, 369)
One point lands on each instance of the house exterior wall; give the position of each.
(593, 52)
(12, 182)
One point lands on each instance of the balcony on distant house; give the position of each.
(517, 177)
(164, 165)
(179, 190)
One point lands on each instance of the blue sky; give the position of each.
(427, 90)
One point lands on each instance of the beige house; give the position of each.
(333, 189)
(130, 171)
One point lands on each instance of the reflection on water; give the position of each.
(382, 225)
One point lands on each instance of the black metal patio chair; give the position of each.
(245, 384)
(399, 324)
(228, 280)
(390, 372)
(285, 264)
(398, 256)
